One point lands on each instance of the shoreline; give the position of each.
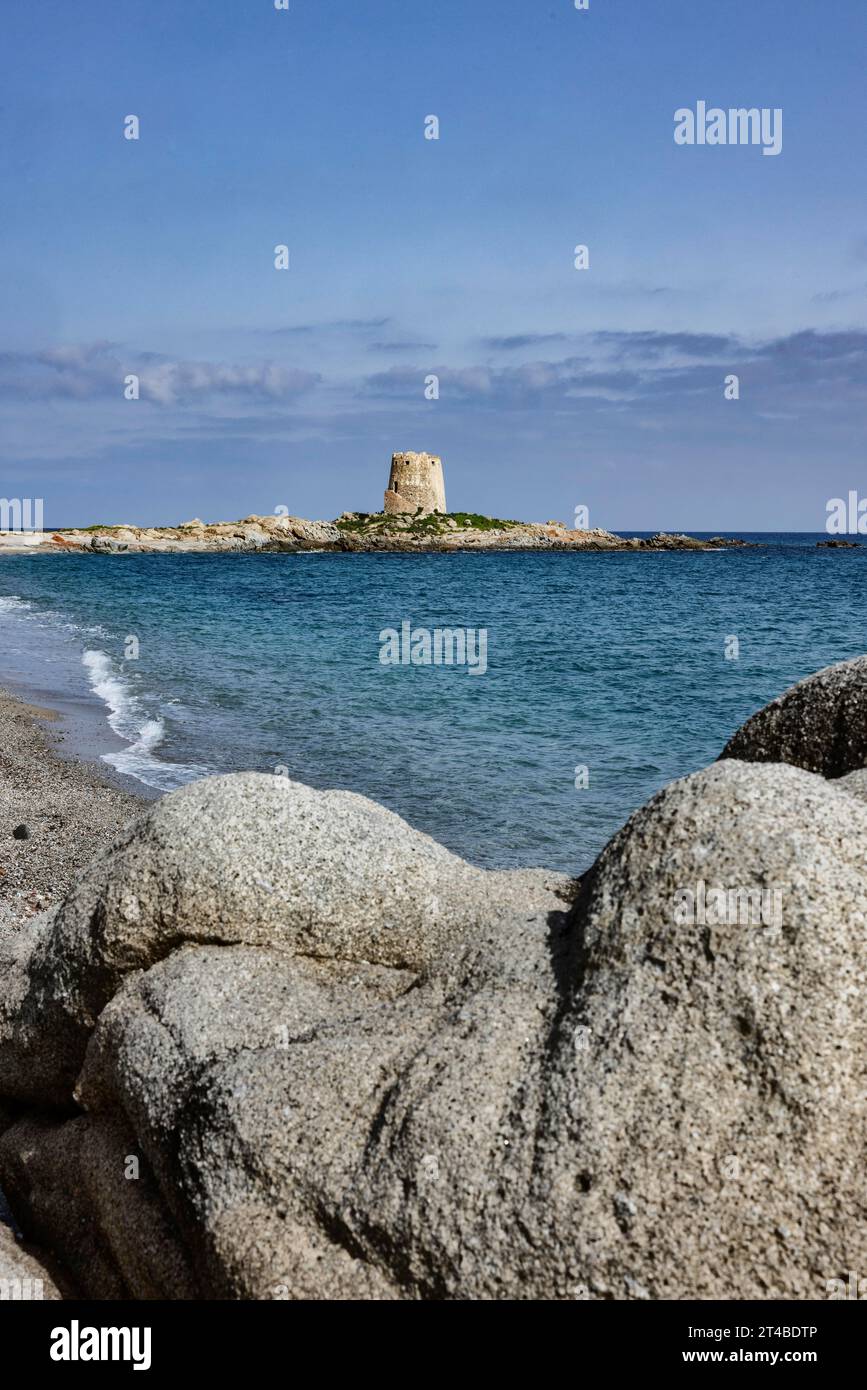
(72, 808)
(80, 732)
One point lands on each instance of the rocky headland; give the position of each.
(274, 1043)
(352, 531)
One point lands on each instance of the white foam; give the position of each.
(47, 617)
(124, 714)
(140, 731)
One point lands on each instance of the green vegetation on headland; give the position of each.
(419, 524)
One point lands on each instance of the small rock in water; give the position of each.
(21, 832)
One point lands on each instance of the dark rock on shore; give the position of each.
(819, 724)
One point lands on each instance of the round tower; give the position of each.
(415, 480)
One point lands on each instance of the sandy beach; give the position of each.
(56, 813)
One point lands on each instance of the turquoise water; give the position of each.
(614, 662)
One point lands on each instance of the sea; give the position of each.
(607, 675)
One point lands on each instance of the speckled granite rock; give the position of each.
(718, 1114)
(819, 724)
(89, 1197)
(854, 783)
(247, 858)
(23, 1278)
(354, 1066)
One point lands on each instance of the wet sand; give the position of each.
(57, 811)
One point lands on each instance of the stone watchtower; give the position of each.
(415, 480)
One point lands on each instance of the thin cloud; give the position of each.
(92, 370)
(506, 385)
(402, 347)
(654, 344)
(834, 296)
(516, 341)
(644, 366)
(330, 326)
(813, 346)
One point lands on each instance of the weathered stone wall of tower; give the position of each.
(415, 480)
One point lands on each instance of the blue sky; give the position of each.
(412, 257)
